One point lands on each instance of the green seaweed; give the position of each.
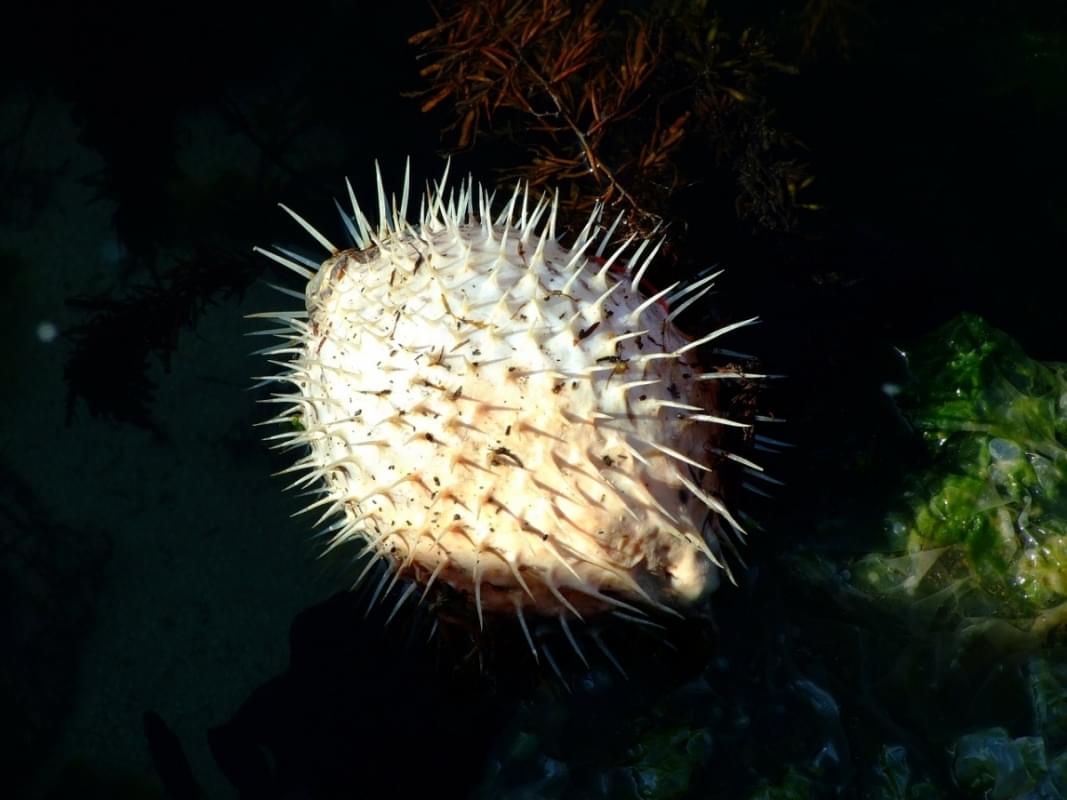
(664, 760)
(987, 519)
(993, 765)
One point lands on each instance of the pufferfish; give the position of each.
(484, 408)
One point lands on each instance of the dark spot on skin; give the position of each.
(683, 496)
(608, 461)
(557, 388)
(673, 390)
(505, 453)
(436, 480)
(643, 397)
(455, 517)
(429, 438)
(364, 256)
(337, 274)
(507, 431)
(585, 332)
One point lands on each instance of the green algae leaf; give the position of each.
(893, 773)
(983, 529)
(972, 378)
(893, 778)
(665, 761)
(991, 764)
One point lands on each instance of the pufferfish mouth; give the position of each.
(484, 408)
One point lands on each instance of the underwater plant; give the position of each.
(982, 531)
(619, 108)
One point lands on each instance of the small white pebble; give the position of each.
(47, 331)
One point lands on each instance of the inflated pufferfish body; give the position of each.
(486, 408)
